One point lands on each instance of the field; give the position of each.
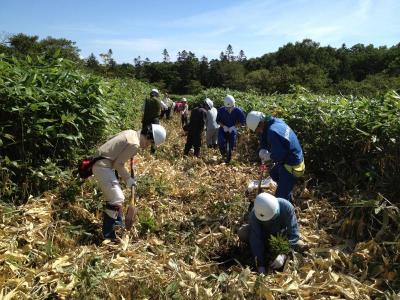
(184, 245)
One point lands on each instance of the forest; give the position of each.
(349, 70)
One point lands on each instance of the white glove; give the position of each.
(232, 129)
(130, 182)
(264, 155)
(226, 128)
(278, 262)
(262, 270)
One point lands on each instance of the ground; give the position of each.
(184, 243)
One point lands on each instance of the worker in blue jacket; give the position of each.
(229, 117)
(278, 143)
(270, 216)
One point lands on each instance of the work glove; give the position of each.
(278, 262)
(262, 270)
(226, 128)
(231, 129)
(130, 182)
(264, 155)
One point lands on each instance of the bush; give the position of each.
(348, 142)
(50, 113)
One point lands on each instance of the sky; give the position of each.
(205, 27)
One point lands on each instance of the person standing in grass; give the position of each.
(229, 117)
(166, 107)
(211, 124)
(115, 153)
(185, 114)
(278, 143)
(195, 130)
(270, 216)
(151, 111)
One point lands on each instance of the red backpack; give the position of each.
(85, 166)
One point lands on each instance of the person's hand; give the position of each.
(278, 262)
(130, 182)
(231, 129)
(226, 128)
(261, 270)
(264, 155)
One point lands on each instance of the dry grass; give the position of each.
(191, 209)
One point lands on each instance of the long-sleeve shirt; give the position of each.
(197, 119)
(279, 139)
(212, 119)
(118, 150)
(230, 119)
(152, 109)
(285, 223)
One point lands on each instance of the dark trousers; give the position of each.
(285, 181)
(193, 140)
(226, 143)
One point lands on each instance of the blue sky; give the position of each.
(205, 27)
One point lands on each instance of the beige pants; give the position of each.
(109, 185)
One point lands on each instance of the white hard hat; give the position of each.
(154, 92)
(184, 100)
(266, 206)
(159, 134)
(253, 119)
(209, 103)
(229, 101)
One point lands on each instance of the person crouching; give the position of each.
(270, 216)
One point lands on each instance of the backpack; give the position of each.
(85, 166)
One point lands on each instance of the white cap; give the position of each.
(266, 206)
(229, 101)
(209, 103)
(184, 100)
(159, 134)
(154, 91)
(253, 119)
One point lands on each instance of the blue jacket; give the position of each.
(279, 139)
(285, 223)
(231, 119)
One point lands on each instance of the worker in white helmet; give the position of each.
(185, 114)
(278, 143)
(270, 216)
(211, 124)
(229, 117)
(115, 153)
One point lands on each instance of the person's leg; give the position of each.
(214, 138)
(114, 197)
(286, 183)
(209, 137)
(222, 142)
(189, 143)
(197, 143)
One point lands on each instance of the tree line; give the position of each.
(358, 70)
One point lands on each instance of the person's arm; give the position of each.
(219, 118)
(241, 117)
(278, 150)
(119, 163)
(257, 240)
